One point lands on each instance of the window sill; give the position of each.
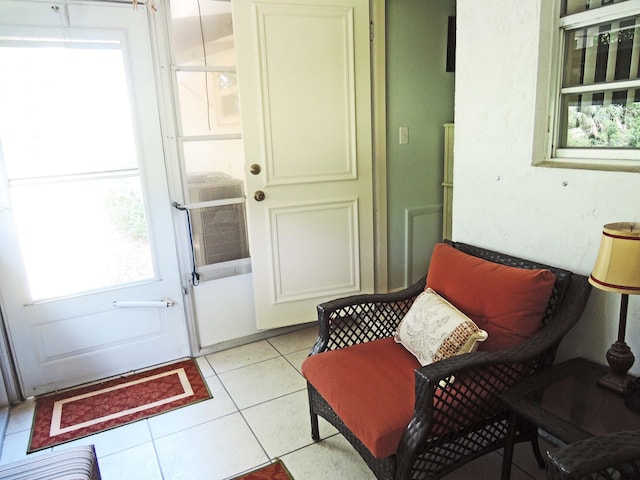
(612, 165)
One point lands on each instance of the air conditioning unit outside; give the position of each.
(219, 233)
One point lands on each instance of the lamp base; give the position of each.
(620, 360)
(616, 382)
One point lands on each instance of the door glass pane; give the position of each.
(213, 156)
(219, 234)
(64, 110)
(199, 26)
(69, 151)
(208, 103)
(79, 236)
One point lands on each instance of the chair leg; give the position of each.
(510, 440)
(536, 451)
(315, 432)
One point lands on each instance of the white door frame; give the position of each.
(379, 112)
(161, 44)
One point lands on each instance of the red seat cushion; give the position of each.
(371, 386)
(508, 302)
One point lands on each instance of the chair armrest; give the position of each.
(477, 379)
(362, 318)
(619, 451)
(457, 392)
(468, 387)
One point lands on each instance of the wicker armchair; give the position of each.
(606, 457)
(426, 449)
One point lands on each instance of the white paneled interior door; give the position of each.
(89, 278)
(304, 76)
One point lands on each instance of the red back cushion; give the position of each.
(508, 302)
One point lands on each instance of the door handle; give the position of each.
(165, 302)
(259, 196)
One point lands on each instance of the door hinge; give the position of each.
(371, 33)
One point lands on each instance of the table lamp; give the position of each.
(617, 269)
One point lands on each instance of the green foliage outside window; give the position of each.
(605, 126)
(127, 213)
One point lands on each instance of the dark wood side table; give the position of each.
(565, 402)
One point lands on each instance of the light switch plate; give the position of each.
(404, 135)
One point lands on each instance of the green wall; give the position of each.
(419, 95)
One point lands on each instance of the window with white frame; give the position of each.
(209, 135)
(597, 108)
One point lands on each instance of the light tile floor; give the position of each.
(258, 412)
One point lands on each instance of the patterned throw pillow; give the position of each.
(433, 329)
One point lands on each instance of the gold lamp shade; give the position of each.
(617, 268)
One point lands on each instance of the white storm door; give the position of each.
(304, 78)
(88, 265)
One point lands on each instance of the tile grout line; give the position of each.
(246, 422)
(241, 410)
(155, 450)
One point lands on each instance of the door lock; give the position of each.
(255, 169)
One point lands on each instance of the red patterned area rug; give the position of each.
(273, 471)
(62, 417)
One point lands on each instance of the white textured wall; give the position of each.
(500, 200)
